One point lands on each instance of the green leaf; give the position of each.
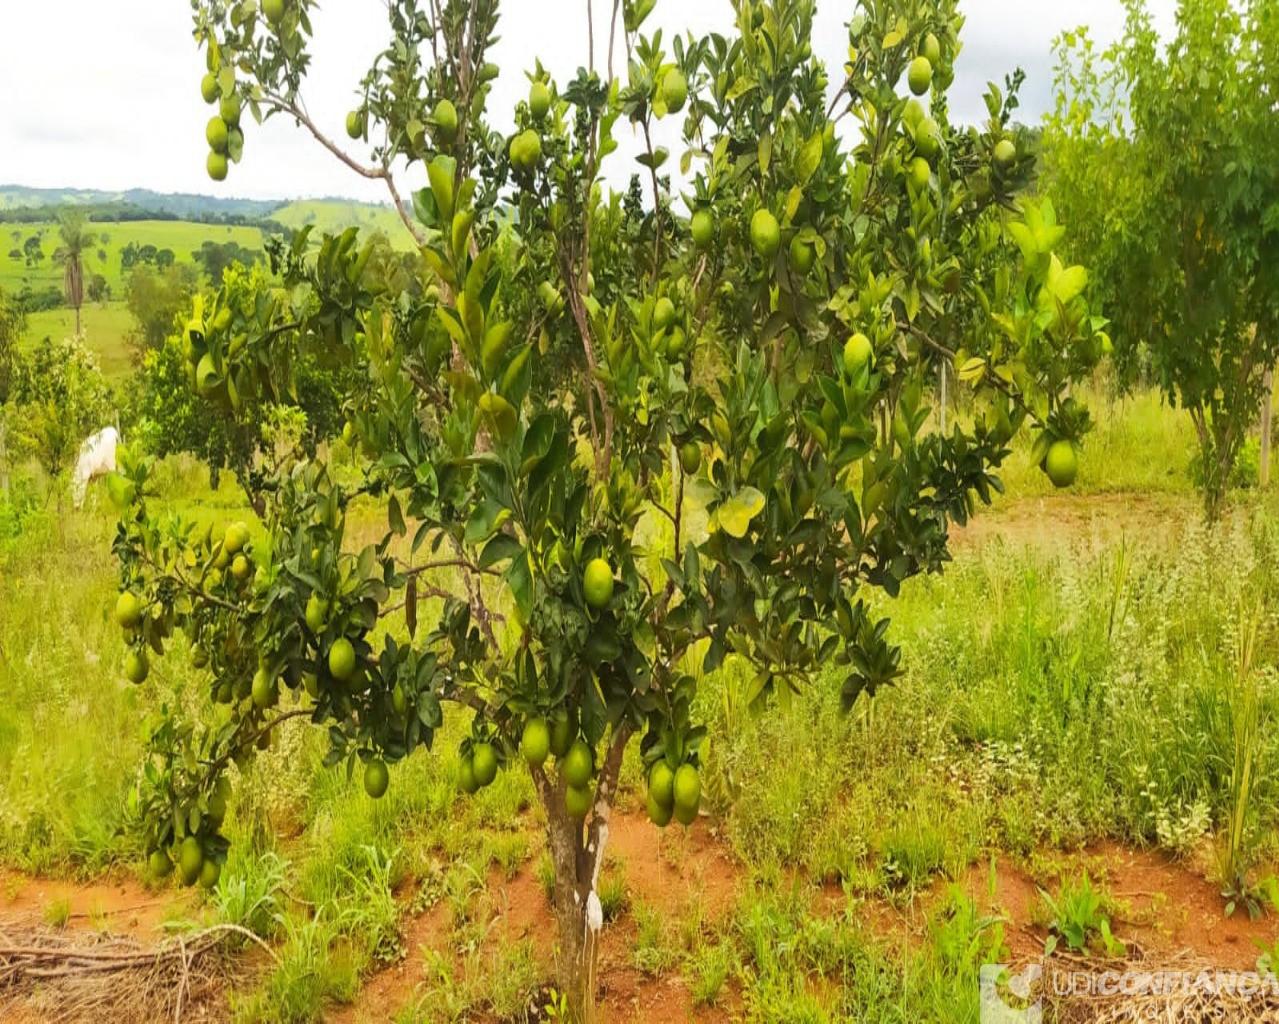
(735, 515)
(501, 548)
(809, 159)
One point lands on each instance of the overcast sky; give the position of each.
(105, 93)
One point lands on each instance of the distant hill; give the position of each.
(183, 206)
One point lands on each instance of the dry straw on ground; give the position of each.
(63, 977)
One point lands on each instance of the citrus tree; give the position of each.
(734, 448)
(1186, 251)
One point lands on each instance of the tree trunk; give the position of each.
(1267, 411)
(577, 852)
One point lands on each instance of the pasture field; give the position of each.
(1056, 765)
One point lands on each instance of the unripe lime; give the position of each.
(577, 801)
(484, 761)
(209, 88)
(920, 173)
(657, 814)
(274, 10)
(210, 872)
(342, 660)
(1005, 154)
(376, 778)
(675, 90)
(136, 666)
(215, 133)
(160, 864)
(857, 353)
(928, 139)
(190, 860)
(128, 610)
(241, 567)
(466, 776)
(218, 802)
(598, 583)
(1061, 464)
(535, 744)
(688, 794)
(663, 314)
(237, 536)
(920, 76)
(563, 732)
(766, 235)
(578, 764)
(703, 228)
(445, 118)
(355, 124)
(690, 458)
(539, 101)
(526, 151)
(229, 109)
(661, 784)
(802, 255)
(931, 49)
(400, 701)
(217, 166)
(913, 114)
(265, 691)
(317, 613)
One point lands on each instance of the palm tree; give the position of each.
(76, 242)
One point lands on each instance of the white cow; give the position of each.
(97, 458)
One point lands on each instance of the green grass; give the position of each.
(106, 328)
(1057, 691)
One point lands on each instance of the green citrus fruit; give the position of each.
(535, 744)
(317, 613)
(920, 75)
(688, 794)
(484, 760)
(526, 151)
(1061, 464)
(466, 776)
(703, 228)
(766, 236)
(190, 860)
(445, 118)
(128, 610)
(563, 732)
(342, 660)
(675, 91)
(237, 536)
(136, 666)
(210, 872)
(913, 114)
(663, 314)
(931, 49)
(657, 814)
(199, 657)
(229, 109)
(577, 764)
(1005, 153)
(661, 784)
(355, 124)
(690, 458)
(215, 132)
(577, 801)
(209, 88)
(598, 583)
(802, 255)
(274, 10)
(539, 101)
(265, 691)
(376, 778)
(217, 803)
(928, 139)
(857, 353)
(241, 567)
(400, 701)
(217, 167)
(676, 342)
(920, 173)
(160, 864)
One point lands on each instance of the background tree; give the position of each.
(76, 242)
(215, 257)
(60, 398)
(158, 300)
(749, 453)
(1180, 141)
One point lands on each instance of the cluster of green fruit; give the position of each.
(526, 148)
(195, 855)
(673, 793)
(223, 132)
